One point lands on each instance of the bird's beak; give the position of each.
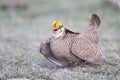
(55, 29)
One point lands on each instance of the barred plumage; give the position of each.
(77, 47)
(46, 51)
(61, 47)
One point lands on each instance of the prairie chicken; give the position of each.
(67, 46)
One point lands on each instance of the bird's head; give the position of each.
(58, 29)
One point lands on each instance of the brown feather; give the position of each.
(45, 50)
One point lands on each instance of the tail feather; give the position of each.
(94, 22)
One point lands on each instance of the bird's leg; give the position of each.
(82, 63)
(66, 65)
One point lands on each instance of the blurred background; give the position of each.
(24, 23)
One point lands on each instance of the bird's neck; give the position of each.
(60, 33)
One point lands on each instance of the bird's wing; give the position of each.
(45, 50)
(86, 46)
(84, 49)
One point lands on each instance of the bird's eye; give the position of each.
(55, 29)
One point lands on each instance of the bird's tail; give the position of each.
(94, 22)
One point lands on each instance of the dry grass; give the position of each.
(22, 30)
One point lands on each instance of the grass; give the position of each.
(20, 36)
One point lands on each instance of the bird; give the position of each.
(67, 47)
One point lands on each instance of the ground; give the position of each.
(21, 31)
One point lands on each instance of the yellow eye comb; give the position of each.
(57, 24)
(54, 24)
